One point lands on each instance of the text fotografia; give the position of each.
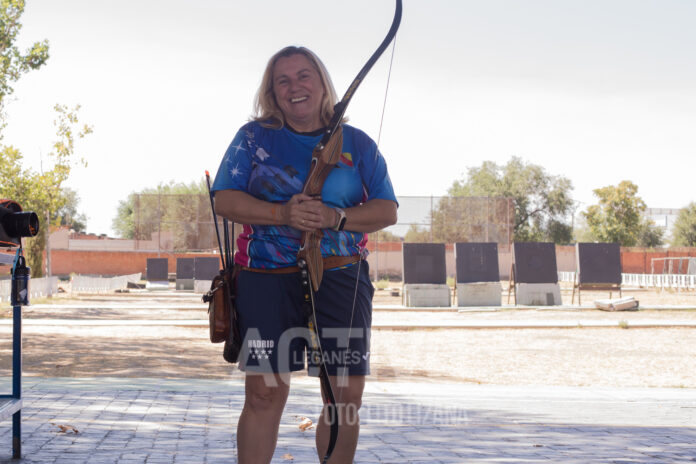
(402, 413)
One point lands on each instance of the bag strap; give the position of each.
(212, 207)
(228, 247)
(226, 252)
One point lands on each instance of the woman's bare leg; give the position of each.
(257, 430)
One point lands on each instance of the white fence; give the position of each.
(43, 286)
(87, 284)
(675, 281)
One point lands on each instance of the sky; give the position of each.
(598, 91)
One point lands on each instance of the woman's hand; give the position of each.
(307, 213)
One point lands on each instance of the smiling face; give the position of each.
(298, 92)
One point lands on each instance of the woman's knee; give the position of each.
(349, 403)
(265, 393)
(352, 401)
(351, 393)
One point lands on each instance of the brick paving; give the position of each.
(157, 420)
(135, 420)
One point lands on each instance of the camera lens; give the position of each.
(24, 224)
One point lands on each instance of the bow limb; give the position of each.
(331, 409)
(340, 108)
(317, 358)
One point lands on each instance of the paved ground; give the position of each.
(192, 421)
(114, 419)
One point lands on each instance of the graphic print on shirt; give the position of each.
(232, 166)
(346, 159)
(271, 180)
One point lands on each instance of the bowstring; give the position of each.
(342, 383)
(386, 91)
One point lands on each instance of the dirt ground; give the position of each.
(575, 357)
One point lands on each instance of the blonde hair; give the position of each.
(266, 109)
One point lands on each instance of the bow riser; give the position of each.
(323, 160)
(310, 252)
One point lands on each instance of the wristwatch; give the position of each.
(340, 224)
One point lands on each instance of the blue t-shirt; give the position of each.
(272, 165)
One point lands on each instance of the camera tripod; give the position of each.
(12, 404)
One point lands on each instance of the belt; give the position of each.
(330, 262)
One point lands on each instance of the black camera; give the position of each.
(15, 223)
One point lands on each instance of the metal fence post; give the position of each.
(432, 212)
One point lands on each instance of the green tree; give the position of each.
(124, 222)
(39, 192)
(14, 62)
(179, 208)
(418, 234)
(684, 232)
(42, 192)
(541, 201)
(650, 235)
(581, 231)
(68, 215)
(383, 236)
(619, 215)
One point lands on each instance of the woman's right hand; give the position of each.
(303, 212)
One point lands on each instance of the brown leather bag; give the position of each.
(219, 307)
(222, 313)
(222, 310)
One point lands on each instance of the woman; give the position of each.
(258, 184)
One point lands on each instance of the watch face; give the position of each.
(342, 222)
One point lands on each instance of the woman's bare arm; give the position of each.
(303, 212)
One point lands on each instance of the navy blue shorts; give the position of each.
(275, 331)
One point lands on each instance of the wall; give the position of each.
(62, 239)
(637, 260)
(111, 263)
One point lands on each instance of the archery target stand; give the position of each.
(478, 276)
(424, 275)
(479, 294)
(534, 274)
(426, 295)
(598, 267)
(184, 273)
(157, 274)
(538, 294)
(205, 269)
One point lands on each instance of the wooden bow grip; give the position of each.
(323, 160)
